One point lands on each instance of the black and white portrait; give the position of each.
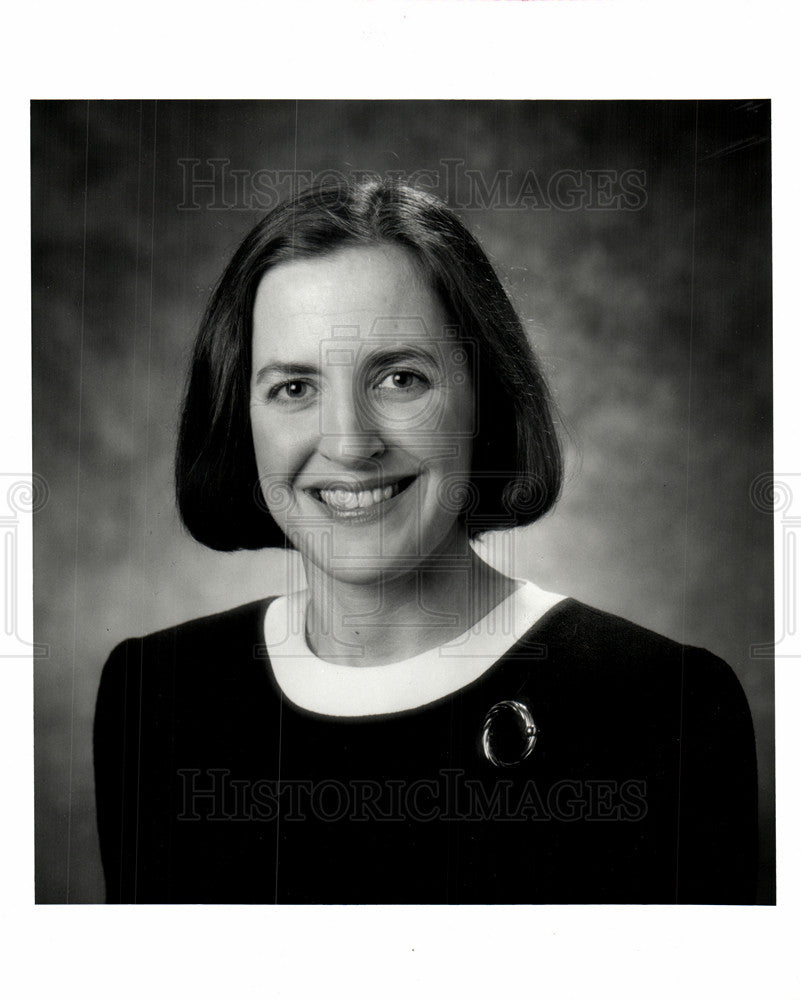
(408, 530)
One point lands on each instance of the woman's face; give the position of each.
(362, 412)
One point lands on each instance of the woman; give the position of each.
(412, 725)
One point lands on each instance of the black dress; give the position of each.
(213, 787)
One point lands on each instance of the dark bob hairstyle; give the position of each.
(517, 461)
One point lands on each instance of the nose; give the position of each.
(346, 434)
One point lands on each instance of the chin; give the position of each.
(374, 560)
(357, 566)
(358, 576)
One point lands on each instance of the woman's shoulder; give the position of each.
(185, 671)
(204, 626)
(208, 641)
(590, 640)
(628, 679)
(571, 622)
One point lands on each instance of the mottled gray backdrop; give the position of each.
(635, 239)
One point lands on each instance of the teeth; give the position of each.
(343, 499)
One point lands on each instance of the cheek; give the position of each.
(263, 442)
(447, 455)
(452, 464)
(278, 458)
(450, 436)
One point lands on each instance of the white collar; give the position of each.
(333, 689)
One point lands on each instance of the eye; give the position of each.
(295, 390)
(403, 380)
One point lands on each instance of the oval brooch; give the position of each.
(509, 733)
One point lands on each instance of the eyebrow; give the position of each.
(290, 369)
(285, 370)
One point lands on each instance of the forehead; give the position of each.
(356, 293)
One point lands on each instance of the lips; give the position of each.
(343, 498)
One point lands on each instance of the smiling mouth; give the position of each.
(343, 498)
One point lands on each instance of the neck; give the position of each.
(392, 617)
